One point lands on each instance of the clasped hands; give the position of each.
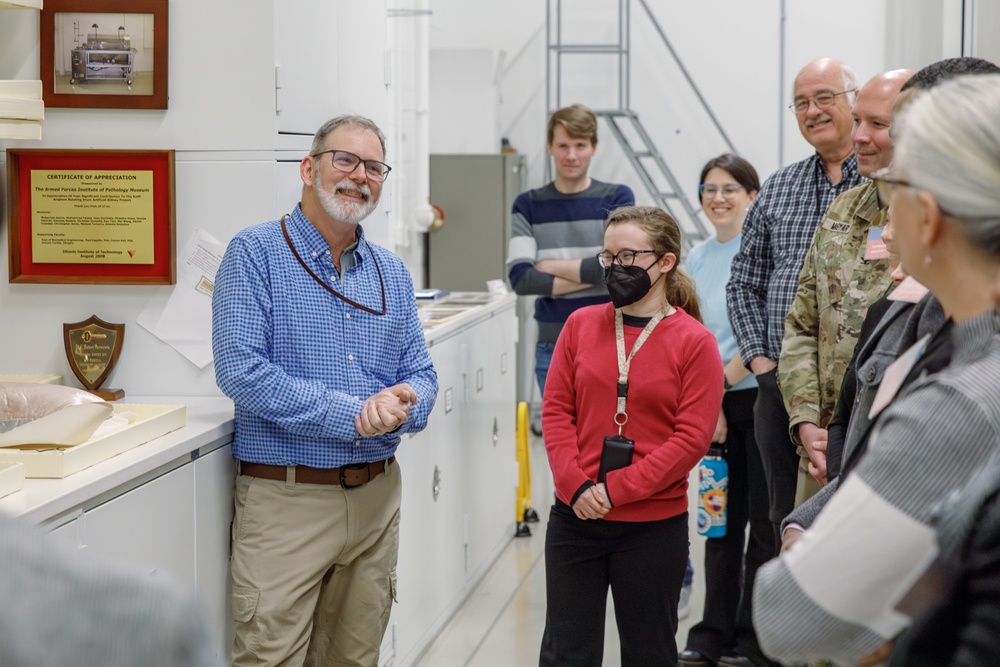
(814, 440)
(592, 503)
(386, 411)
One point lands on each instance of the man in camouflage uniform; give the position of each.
(840, 278)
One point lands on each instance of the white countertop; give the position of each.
(209, 425)
(478, 306)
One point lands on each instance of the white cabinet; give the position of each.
(466, 455)
(431, 570)
(214, 479)
(305, 33)
(68, 533)
(174, 525)
(163, 509)
(491, 446)
(150, 526)
(326, 51)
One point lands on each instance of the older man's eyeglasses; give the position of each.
(623, 257)
(348, 162)
(730, 190)
(885, 184)
(822, 100)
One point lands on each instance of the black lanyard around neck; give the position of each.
(288, 240)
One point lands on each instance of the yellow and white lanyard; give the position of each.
(621, 417)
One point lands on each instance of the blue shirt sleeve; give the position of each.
(241, 342)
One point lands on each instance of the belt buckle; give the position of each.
(353, 466)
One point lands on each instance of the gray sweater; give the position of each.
(834, 594)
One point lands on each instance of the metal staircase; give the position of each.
(640, 156)
(636, 143)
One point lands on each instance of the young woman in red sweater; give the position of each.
(641, 369)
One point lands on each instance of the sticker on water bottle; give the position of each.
(713, 482)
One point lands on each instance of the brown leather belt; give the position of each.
(347, 476)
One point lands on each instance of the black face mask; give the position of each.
(626, 284)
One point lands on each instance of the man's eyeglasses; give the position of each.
(728, 191)
(623, 257)
(348, 162)
(885, 184)
(822, 100)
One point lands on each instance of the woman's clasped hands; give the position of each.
(592, 503)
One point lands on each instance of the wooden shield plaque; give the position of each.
(92, 349)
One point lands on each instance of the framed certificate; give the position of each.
(91, 216)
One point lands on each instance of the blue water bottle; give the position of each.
(713, 490)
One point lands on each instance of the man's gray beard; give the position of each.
(344, 211)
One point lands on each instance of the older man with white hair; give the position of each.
(776, 235)
(845, 271)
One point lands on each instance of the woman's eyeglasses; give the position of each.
(623, 257)
(730, 190)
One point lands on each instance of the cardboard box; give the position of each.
(58, 462)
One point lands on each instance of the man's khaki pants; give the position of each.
(314, 570)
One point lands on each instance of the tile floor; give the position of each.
(501, 623)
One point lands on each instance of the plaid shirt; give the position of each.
(299, 362)
(776, 235)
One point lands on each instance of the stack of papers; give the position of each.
(21, 109)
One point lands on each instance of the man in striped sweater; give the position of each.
(558, 229)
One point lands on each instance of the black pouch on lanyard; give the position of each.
(617, 453)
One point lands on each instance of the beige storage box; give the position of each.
(57, 462)
(46, 379)
(11, 478)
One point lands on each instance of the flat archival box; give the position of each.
(45, 379)
(11, 478)
(58, 462)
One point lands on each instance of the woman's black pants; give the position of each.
(642, 562)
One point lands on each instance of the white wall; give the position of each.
(220, 121)
(238, 139)
(515, 28)
(731, 50)
(742, 56)
(982, 35)
(234, 169)
(475, 106)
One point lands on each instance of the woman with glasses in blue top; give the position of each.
(725, 636)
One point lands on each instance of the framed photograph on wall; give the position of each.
(109, 54)
(91, 217)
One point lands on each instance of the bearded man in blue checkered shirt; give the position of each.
(317, 341)
(776, 235)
